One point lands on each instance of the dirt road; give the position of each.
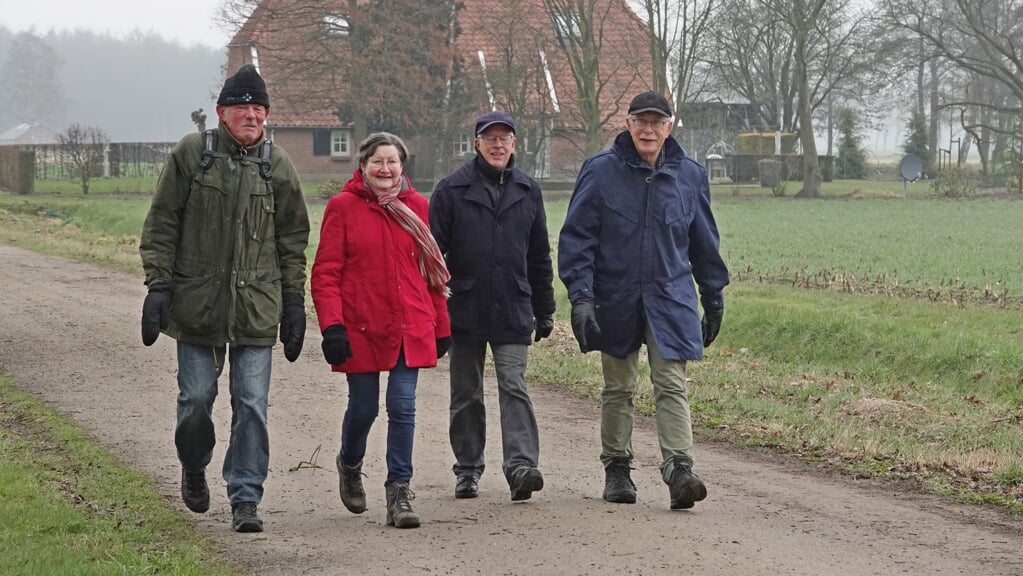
(69, 332)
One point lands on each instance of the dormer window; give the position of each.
(566, 27)
(335, 25)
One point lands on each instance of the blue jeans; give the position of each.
(248, 451)
(363, 405)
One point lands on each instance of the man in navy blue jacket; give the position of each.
(489, 221)
(638, 232)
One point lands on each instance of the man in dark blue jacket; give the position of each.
(489, 221)
(638, 232)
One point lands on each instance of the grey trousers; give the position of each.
(520, 439)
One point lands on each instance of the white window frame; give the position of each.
(335, 25)
(340, 143)
(465, 144)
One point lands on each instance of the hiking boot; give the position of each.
(525, 481)
(618, 485)
(467, 486)
(684, 487)
(244, 517)
(353, 495)
(399, 506)
(194, 490)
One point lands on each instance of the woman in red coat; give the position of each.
(379, 285)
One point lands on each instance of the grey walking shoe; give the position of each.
(399, 506)
(618, 484)
(194, 490)
(353, 495)
(244, 517)
(684, 487)
(524, 482)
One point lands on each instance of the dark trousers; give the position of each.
(520, 439)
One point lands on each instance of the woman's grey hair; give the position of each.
(369, 146)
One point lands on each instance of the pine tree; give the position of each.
(851, 163)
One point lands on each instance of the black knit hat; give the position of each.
(245, 87)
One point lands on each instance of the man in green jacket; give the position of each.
(223, 248)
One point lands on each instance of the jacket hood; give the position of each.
(625, 148)
(356, 185)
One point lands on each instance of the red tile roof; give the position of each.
(510, 35)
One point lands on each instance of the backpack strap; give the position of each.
(209, 149)
(265, 150)
(209, 152)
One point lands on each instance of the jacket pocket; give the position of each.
(462, 305)
(261, 214)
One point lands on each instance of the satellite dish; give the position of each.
(911, 167)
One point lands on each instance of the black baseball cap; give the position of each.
(650, 102)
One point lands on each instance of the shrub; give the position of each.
(955, 182)
(330, 188)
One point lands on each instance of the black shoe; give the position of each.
(194, 490)
(467, 486)
(525, 481)
(618, 485)
(684, 487)
(244, 517)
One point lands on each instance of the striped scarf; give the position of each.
(431, 261)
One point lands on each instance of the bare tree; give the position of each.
(981, 37)
(82, 149)
(518, 80)
(31, 90)
(790, 59)
(676, 32)
(604, 72)
(335, 56)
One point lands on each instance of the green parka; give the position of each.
(229, 243)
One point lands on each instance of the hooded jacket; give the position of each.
(229, 243)
(635, 238)
(366, 276)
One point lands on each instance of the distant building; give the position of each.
(28, 134)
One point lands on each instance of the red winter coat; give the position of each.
(366, 276)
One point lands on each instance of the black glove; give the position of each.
(336, 348)
(711, 325)
(443, 345)
(544, 327)
(156, 312)
(293, 325)
(584, 325)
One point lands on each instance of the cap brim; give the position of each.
(650, 109)
(489, 124)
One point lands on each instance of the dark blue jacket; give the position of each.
(634, 239)
(499, 258)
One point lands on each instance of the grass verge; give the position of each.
(59, 492)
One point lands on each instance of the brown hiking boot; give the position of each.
(353, 495)
(399, 506)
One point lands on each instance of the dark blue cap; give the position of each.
(496, 117)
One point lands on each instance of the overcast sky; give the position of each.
(185, 21)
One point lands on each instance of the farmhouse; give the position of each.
(515, 56)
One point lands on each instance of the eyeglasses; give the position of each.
(505, 139)
(643, 124)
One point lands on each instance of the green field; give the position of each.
(876, 333)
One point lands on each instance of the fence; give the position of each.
(122, 160)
